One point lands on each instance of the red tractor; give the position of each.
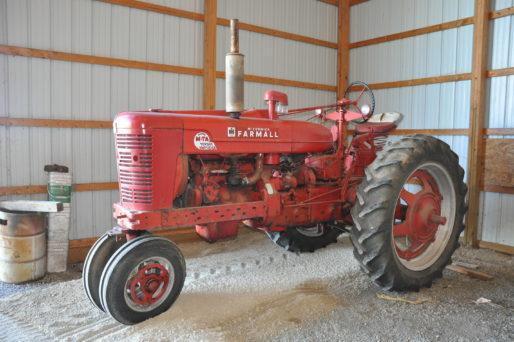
(301, 183)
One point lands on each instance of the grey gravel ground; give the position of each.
(248, 289)
(74, 272)
(450, 313)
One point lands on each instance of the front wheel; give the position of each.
(409, 213)
(95, 262)
(142, 279)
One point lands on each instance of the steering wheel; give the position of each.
(362, 99)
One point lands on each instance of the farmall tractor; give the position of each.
(302, 183)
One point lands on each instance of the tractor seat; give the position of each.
(379, 123)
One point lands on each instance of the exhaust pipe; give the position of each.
(234, 74)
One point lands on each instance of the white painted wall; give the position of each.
(442, 53)
(37, 88)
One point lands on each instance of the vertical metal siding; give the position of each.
(281, 58)
(497, 217)
(441, 105)
(40, 88)
(37, 88)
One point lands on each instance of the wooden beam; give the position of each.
(477, 114)
(335, 2)
(498, 189)
(220, 21)
(502, 13)
(343, 50)
(279, 34)
(437, 131)
(88, 59)
(497, 247)
(78, 248)
(500, 72)
(22, 190)
(209, 54)
(430, 29)
(499, 131)
(95, 186)
(412, 33)
(125, 63)
(55, 123)
(357, 2)
(146, 6)
(42, 189)
(283, 82)
(421, 81)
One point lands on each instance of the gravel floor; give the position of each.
(249, 289)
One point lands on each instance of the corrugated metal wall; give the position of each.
(37, 88)
(447, 52)
(282, 58)
(435, 54)
(497, 219)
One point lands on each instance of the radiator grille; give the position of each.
(135, 167)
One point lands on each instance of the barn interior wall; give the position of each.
(497, 214)
(444, 105)
(49, 89)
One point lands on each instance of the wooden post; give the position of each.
(477, 117)
(343, 46)
(209, 54)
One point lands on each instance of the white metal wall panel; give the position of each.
(377, 18)
(436, 106)
(280, 58)
(497, 218)
(37, 88)
(306, 17)
(441, 53)
(434, 54)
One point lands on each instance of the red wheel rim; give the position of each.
(417, 216)
(149, 284)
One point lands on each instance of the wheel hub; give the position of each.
(419, 226)
(147, 285)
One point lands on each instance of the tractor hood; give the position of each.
(214, 132)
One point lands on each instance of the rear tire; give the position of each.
(380, 210)
(300, 240)
(142, 279)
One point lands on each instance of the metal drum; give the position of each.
(22, 245)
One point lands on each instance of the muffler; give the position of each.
(234, 74)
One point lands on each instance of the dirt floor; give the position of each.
(249, 289)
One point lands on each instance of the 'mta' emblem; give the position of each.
(203, 142)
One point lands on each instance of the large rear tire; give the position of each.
(301, 240)
(409, 213)
(142, 279)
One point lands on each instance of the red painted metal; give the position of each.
(205, 169)
(420, 216)
(148, 285)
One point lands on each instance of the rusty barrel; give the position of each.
(22, 245)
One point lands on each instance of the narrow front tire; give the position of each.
(142, 279)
